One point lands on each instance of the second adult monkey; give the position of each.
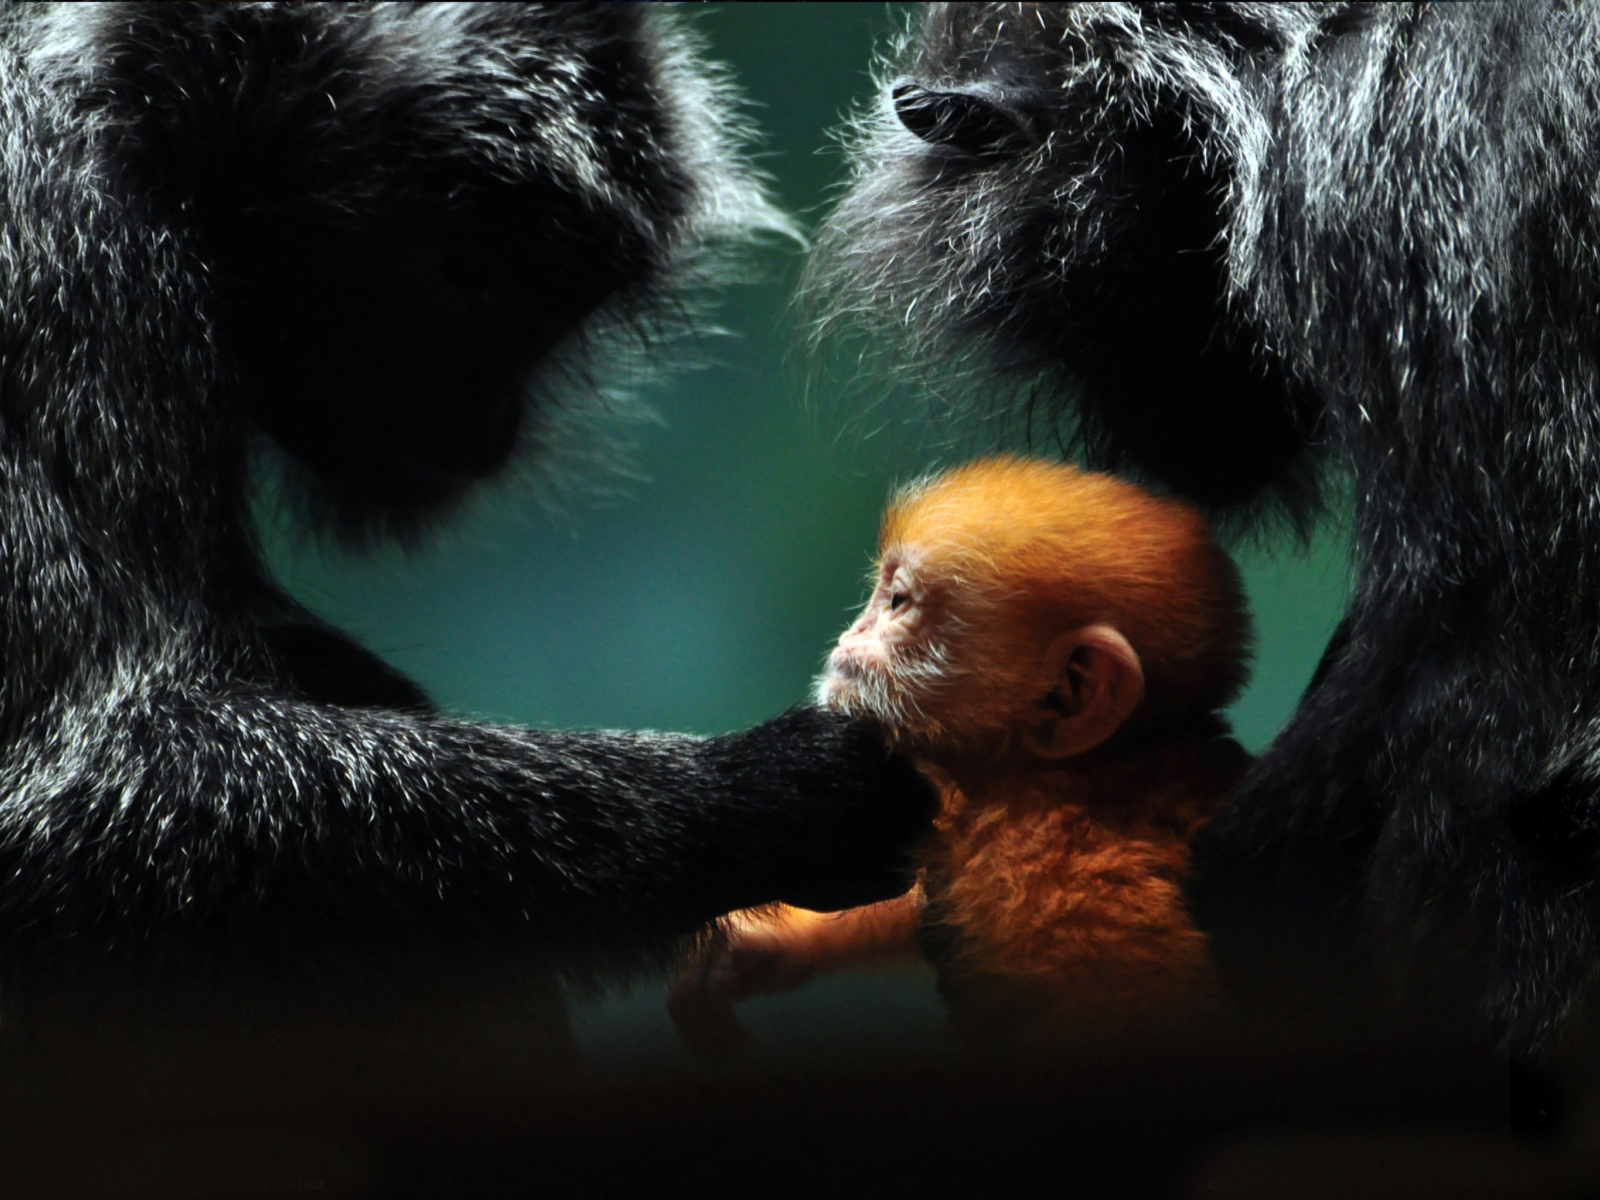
(1053, 647)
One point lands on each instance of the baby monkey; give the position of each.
(1052, 646)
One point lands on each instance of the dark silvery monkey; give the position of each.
(376, 241)
(1236, 246)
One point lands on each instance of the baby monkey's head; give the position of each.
(1022, 603)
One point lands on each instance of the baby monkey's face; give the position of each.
(959, 666)
(869, 671)
(904, 661)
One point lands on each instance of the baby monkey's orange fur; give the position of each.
(1053, 646)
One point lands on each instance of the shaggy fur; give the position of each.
(1237, 239)
(364, 238)
(1054, 907)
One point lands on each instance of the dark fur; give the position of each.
(368, 234)
(1242, 243)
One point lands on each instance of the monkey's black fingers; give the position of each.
(854, 816)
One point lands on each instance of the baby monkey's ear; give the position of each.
(1094, 681)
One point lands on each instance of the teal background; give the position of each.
(703, 593)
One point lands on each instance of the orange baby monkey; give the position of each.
(1053, 647)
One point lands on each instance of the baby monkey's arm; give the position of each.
(777, 949)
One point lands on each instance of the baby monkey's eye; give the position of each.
(896, 599)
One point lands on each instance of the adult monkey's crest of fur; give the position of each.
(1225, 236)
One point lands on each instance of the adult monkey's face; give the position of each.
(1052, 190)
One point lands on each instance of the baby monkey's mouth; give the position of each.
(840, 687)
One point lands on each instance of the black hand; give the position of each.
(849, 810)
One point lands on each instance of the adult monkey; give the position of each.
(369, 236)
(1238, 242)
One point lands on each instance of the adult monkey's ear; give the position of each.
(965, 119)
(1094, 681)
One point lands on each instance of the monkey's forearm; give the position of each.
(870, 933)
(176, 811)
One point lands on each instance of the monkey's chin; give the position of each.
(833, 691)
(840, 692)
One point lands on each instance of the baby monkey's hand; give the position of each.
(760, 951)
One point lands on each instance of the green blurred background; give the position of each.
(702, 596)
